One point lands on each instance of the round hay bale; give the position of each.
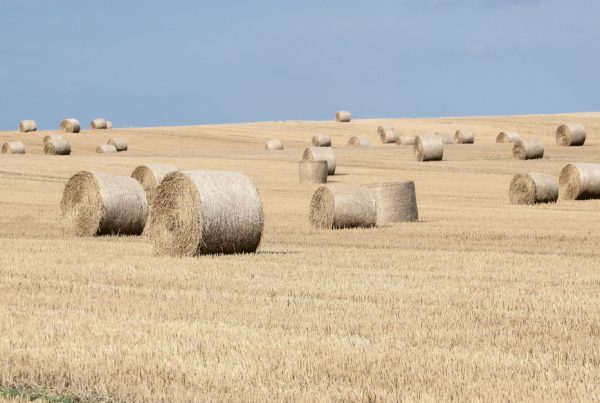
(387, 134)
(13, 147)
(396, 202)
(533, 187)
(359, 142)
(109, 124)
(570, 134)
(429, 147)
(406, 140)
(98, 123)
(321, 154)
(313, 171)
(342, 206)
(446, 138)
(507, 137)
(119, 143)
(206, 212)
(96, 203)
(580, 181)
(464, 137)
(321, 140)
(150, 176)
(57, 147)
(273, 144)
(70, 125)
(528, 149)
(26, 126)
(53, 137)
(343, 116)
(106, 148)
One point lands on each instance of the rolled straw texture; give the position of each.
(53, 137)
(13, 147)
(507, 137)
(313, 171)
(446, 138)
(528, 149)
(70, 125)
(343, 206)
(119, 143)
(273, 144)
(428, 147)
(26, 126)
(359, 142)
(206, 212)
(533, 187)
(406, 140)
(98, 123)
(570, 134)
(96, 203)
(387, 134)
(580, 181)
(343, 116)
(464, 137)
(57, 147)
(321, 154)
(150, 176)
(321, 140)
(106, 148)
(396, 202)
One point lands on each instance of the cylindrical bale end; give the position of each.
(387, 134)
(150, 176)
(70, 125)
(342, 206)
(580, 181)
(321, 140)
(528, 149)
(507, 137)
(98, 123)
(570, 134)
(321, 154)
(532, 188)
(396, 202)
(26, 126)
(343, 116)
(119, 143)
(13, 147)
(429, 147)
(464, 137)
(57, 147)
(106, 149)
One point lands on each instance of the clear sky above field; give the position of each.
(148, 63)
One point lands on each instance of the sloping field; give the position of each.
(479, 300)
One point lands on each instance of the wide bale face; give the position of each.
(322, 209)
(522, 190)
(81, 205)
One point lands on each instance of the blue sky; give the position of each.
(151, 63)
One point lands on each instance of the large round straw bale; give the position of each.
(359, 142)
(343, 116)
(387, 134)
(313, 171)
(273, 144)
(70, 125)
(13, 147)
(106, 148)
(321, 140)
(119, 143)
(321, 154)
(57, 147)
(507, 137)
(528, 149)
(53, 137)
(205, 212)
(570, 134)
(109, 124)
(396, 202)
(533, 187)
(26, 126)
(429, 147)
(96, 203)
(406, 140)
(98, 123)
(580, 181)
(150, 176)
(464, 137)
(446, 138)
(342, 206)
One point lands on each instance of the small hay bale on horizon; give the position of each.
(343, 116)
(359, 142)
(70, 125)
(342, 206)
(507, 137)
(406, 140)
(57, 147)
(109, 125)
(387, 134)
(313, 171)
(445, 137)
(98, 124)
(53, 137)
(321, 140)
(528, 149)
(150, 176)
(570, 135)
(580, 181)
(26, 126)
(13, 147)
(464, 137)
(106, 149)
(533, 188)
(396, 202)
(119, 142)
(273, 144)
(428, 147)
(321, 154)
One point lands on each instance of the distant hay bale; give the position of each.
(13, 147)
(446, 138)
(321, 140)
(313, 171)
(109, 124)
(387, 134)
(70, 125)
(343, 206)
(119, 143)
(98, 123)
(406, 140)
(507, 137)
(26, 126)
(53, 137)
(96, 203)
(273, 144)
(396, 202)
(464, 137)
(528, 149)
(533, 187)
(580, 181)
(206, 212)
(150, 176)
(57, 147)
(106, 148)
(429, 147)
(359, 142)
(570, 134)
(321, 154)
(343, 116)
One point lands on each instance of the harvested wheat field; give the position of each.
(480, 299)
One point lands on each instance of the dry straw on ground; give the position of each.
(150, 176)
(312, 171)
(464, 137)
(96, 203)
(206, 212)
(343, 206)
(13, 147)
(53, 137)
(533, 187)
(580, 181)
(321, 140)
(387, 134)
(570, 134)
(446, 138)
(70, 125)
(343, 116)
(109, 124)
(428, 147)
(26, 126)
(406, 140)
(396, 202)
(507, 137)
(273, 144)
(528, 149)
(98, 123)
(359, 142)
(321, 154)
(57, 147)
(119, 143)
(106, 148)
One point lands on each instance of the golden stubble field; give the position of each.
(479, 300)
